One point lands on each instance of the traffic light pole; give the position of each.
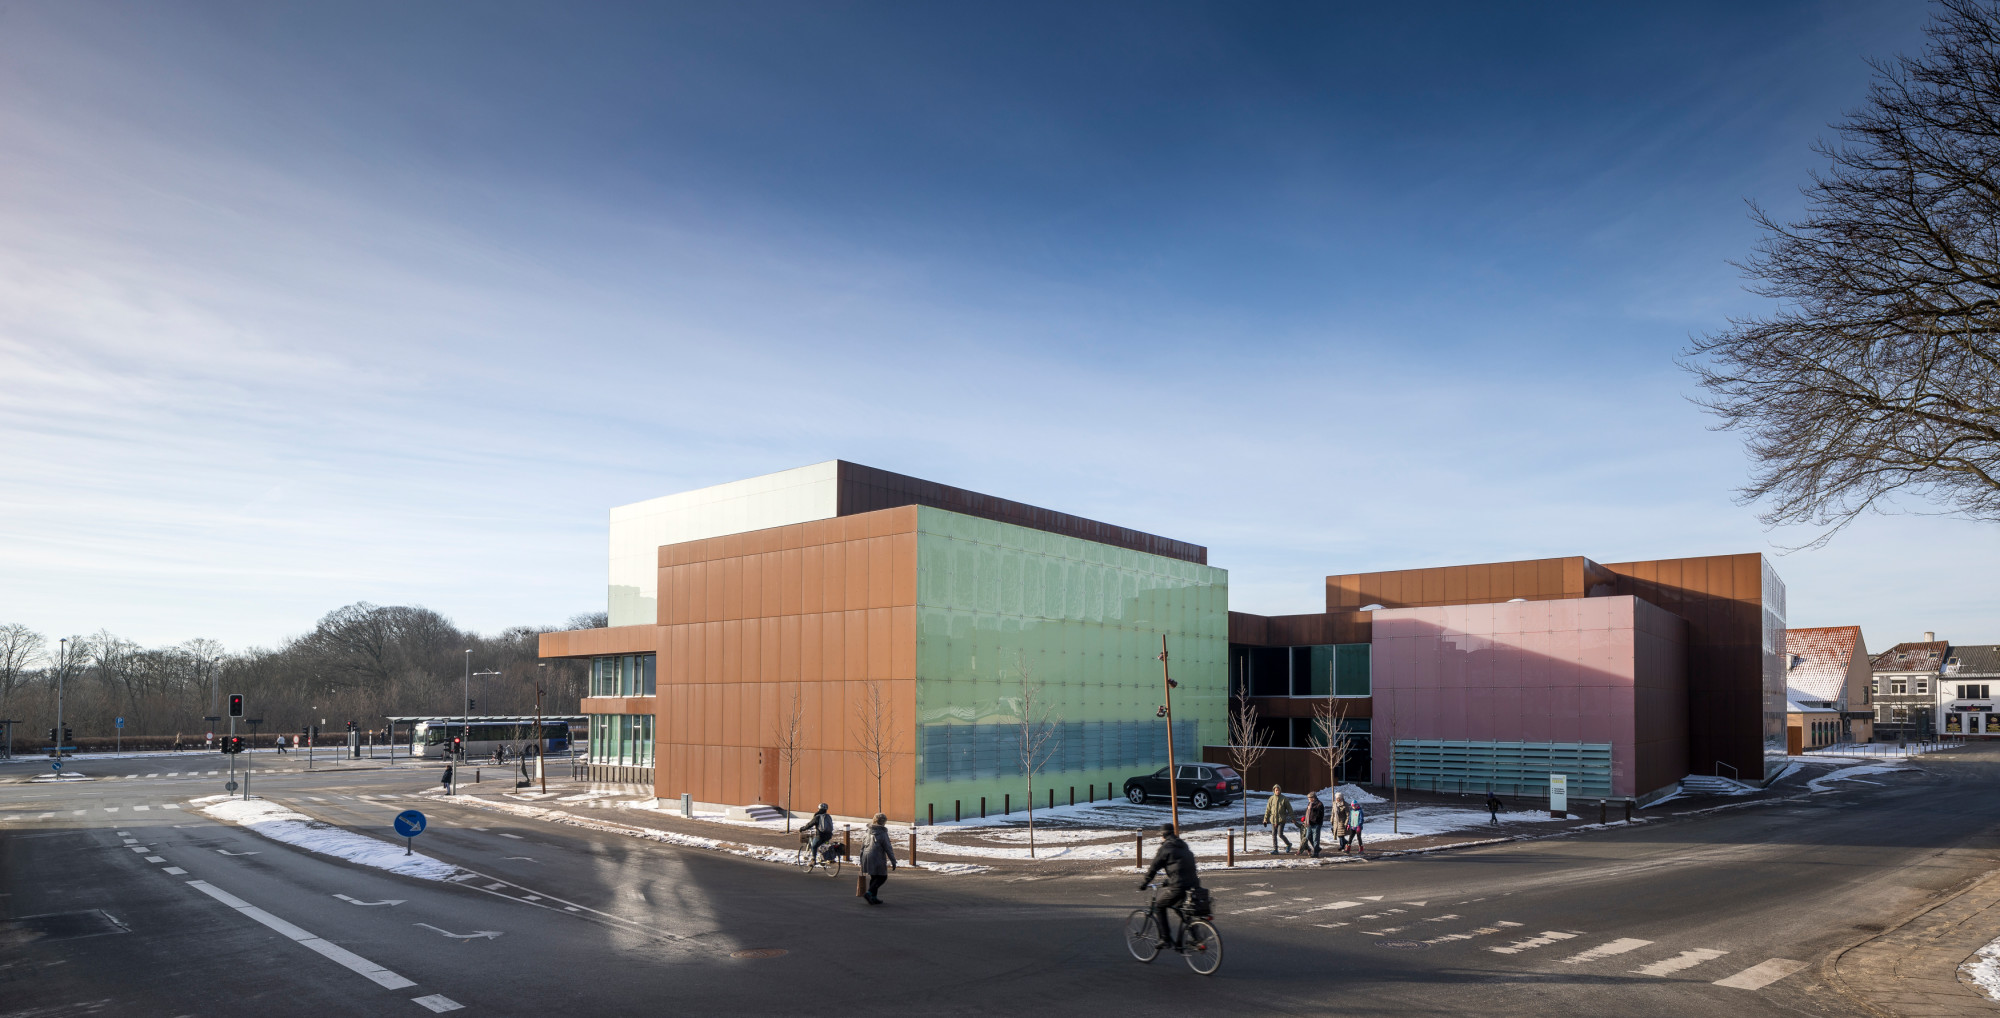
(232, 756)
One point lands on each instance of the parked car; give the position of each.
(1200, 785)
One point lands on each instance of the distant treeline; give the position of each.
(359, 663)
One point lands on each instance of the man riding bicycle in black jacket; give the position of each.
(1176, 864)
(820, 827)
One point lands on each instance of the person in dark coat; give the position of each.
(878, 858)
(446, 780)
(1493, 807)
(1315, 819)
(1175, 864)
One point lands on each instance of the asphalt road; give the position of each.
(1634, 922)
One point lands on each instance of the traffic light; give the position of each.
(52, 736)
(67, 738)
(235, 744)
(236, 705)
(350, 726)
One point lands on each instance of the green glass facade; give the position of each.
(998, 604)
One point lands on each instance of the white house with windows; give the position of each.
(1965, 704)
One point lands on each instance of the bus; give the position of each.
(431, 737)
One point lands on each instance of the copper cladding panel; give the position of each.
(820, 610)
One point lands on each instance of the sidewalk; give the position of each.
(1914, 969)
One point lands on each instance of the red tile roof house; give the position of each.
(1826, 688)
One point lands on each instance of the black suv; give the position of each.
(1202, 785)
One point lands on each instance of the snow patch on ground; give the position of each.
(760, 852)
(1824, 782)
(1983, 970)
(293, 828)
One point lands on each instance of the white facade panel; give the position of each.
(799, 495)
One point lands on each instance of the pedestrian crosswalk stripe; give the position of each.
(1547, 937)
(1762, 974)
(1680, 962)
(1616, 947)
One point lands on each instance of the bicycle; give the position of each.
(826, 860)
(1197, 941)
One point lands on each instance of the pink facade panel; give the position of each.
(1593, 670)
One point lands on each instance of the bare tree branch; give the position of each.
(1879, 372)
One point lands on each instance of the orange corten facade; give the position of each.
(818, 611)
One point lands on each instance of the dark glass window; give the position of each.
(1270, 671)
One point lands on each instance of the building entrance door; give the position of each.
(770, 778)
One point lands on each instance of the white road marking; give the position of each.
(139, 848)
(357, 901)
(173, 774)
(494, 887)
(1419, 904)
(1762, 974)
(225, 851)
(1257, 894)
(110, 809)
(1548, 937)
(1616, 947)
(1371, 897)
(474, 935)
(140, 809)
(315, 798)
(1679, 962)
(130, 841)
(79, 812)
(516, 837)
(339, 955)
(125, 834)
(154, 858)
(1333, 906)
(175, 870)
(155, 774)
(171, 805)
(438, 1003)
(518, 858)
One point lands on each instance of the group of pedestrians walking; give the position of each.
(1348, 819)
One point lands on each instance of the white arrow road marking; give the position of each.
(1548, 937)
(339, 955)
(1619, 946)
(225, 851)
(1762, 974)
(474, 935)
(1683, 960)
(358, 901)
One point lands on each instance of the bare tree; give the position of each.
(788, 731)
(20, 648)
(1039, 737)
(875, 733)
(1879, 372)
(1247, 745)
(1332, 740)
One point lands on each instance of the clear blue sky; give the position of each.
(303, 304)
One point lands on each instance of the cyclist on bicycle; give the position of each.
(1176, 864)
(820, 830)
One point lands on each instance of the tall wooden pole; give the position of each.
(1167, 685)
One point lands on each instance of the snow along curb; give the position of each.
(277, 823)
(762, 853)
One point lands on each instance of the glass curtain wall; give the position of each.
(1302, 671)
(624, 740)
(623, 675)
(1003, 609)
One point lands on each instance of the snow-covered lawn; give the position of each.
(293, 828)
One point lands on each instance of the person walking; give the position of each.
(177, 742)
(1493, 807)
(1309, 829)
(878, 859)
(1342, 830)
(1277, 815)
(446, 780)
(1355, 819)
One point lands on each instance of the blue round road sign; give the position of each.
(409, 823)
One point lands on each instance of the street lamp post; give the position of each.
(541, 743)
(62, 669)
(1167, 685)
